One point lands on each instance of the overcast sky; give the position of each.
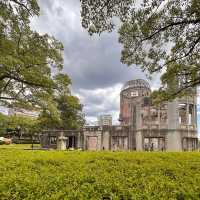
(93, 63)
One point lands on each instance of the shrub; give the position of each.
(98, 175)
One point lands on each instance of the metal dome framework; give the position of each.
(137, 83)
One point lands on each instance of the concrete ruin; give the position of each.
(171, 126)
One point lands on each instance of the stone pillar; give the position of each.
(139, 142)
(79, 141)
(173, 115)
(159, 121)
(187, 113)
(61, 142)
(174, 142)
(195, 115)
(99, 141)
(105, 142)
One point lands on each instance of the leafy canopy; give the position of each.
(158, 35)
(62, 110)
(13, 124)
(26, 61)
(26, 57)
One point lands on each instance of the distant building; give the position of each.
(105, 120)
(22, 112)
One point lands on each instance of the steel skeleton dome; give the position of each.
(137, 83)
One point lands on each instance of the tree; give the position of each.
(21, 124)
(70, 112)
(62, 110)
(18, 124)
(158, 35)
(68, 105)
(49, 117)
(26, 61)
(26, 57)
(3, 124)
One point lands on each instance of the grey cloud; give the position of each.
(92, 63)
(101, 101)
(99, 68)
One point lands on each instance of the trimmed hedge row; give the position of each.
(98, 175)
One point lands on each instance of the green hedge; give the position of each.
(98, 175)
(25, 141)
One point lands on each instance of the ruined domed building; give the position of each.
(171, 126)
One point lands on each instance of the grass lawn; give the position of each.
(18, 146)
(60, 175)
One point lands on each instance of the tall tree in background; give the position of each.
(17, 125)
(62, 111)
(158, 35)
(68, 105)
(26, 57)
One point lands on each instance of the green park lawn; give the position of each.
(27, 174)
(18, 146)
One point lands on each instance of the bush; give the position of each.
(98, 175)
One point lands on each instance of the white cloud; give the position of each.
(93, 63)
(101, 101)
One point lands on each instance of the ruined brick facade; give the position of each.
(171, 126)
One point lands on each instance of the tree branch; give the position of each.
(190, 84)
(3, 77)
(171, 25)
(22, 5)
(24, 81)
(4, 88)
(18, 42)
(186, 54)
(7, 98)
